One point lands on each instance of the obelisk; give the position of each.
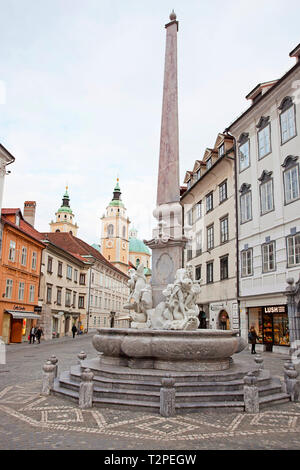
(168, 242)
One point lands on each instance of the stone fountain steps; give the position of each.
(236, 372)
(119, 383)
(120, 394)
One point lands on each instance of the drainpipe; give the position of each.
(89, 296)
(236, 228)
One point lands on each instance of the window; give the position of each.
(208, 163)
(21, 290)
(268, 257)
(49, 265)
(58, 296)
(244, 151)
(264, 141)
(266, 197)
(209, 202)
(210, 237)
(59, 269)
(74, 299)
(31, 293)
(189, 184)
(82, 279)
(198, 243)
(198, 174)
(190, 217)
(293, 248)
(221, 150)
(246, 262)
(8, 288)
(124, 231)
(224, 268)
(224, 230)
(110, 230)
(24, 256)
(68, 298)
(245, 203)
(75, 275)
(223, 191)
(34, 260)
(198, 210)
(189, 251)
(12, 251)
(198, 273)
(291, 183)
(81, 301)
(287, 119)
(69, 272)
(49, 294)
(210, 272)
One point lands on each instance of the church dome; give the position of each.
(136, 245)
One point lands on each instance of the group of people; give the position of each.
(35, 334)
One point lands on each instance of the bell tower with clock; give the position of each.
(115, 232)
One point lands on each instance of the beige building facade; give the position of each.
(210, 225)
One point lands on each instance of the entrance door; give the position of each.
(224, 323)
(16, 331)
(67, 325)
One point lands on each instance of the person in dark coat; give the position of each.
(32, 335)
(38, 334)
(252, 337)
(74, 330)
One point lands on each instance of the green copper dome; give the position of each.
(116, 200)
(137, 246)
(65, 207)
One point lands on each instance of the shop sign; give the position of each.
(275, 309)
(19, 307)
(37, 308)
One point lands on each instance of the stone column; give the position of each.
(48, 378)
(53, 359)
(293, 302)
(81, 357)
(260, 362)
(168, 241)
(251, 398)
(167, 397)
(292, 383)
(86, 389)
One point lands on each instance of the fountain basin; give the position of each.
(170, 350)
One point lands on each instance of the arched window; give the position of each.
(124, 231)
(110, 230)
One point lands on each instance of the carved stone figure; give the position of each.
(140, 298)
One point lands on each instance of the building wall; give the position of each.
(220, 295)
(259, 288)
(17, 272)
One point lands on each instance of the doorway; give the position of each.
(224, 323)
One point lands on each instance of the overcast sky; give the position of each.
(84, 80)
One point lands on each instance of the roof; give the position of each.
(24, 226)
(78, 248)
(9, 157)
(138, 246)
(295, 52)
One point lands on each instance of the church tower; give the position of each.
(64, 217)
(114, 236)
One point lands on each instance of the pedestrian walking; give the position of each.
(39, 333)
(74, 330)
(32, 335)
(252, 337)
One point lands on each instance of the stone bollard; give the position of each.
(251, 398)
(86, 389)
(260, 362)
(167, 397)
(53, 359)
(285, 369)
(81, 357)
(48, 378)
(292, 383)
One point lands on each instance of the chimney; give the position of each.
(29, 212)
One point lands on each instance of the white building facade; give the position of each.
(267, 138)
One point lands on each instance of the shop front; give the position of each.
(17, 325)
(271, 325)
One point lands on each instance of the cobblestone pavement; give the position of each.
(31, 421)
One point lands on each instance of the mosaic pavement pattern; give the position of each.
(25, 403)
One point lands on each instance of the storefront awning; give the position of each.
(22, 314)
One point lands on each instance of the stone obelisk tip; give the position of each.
(172, 15)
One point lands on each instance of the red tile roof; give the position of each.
(24, 226)
(77, 247)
